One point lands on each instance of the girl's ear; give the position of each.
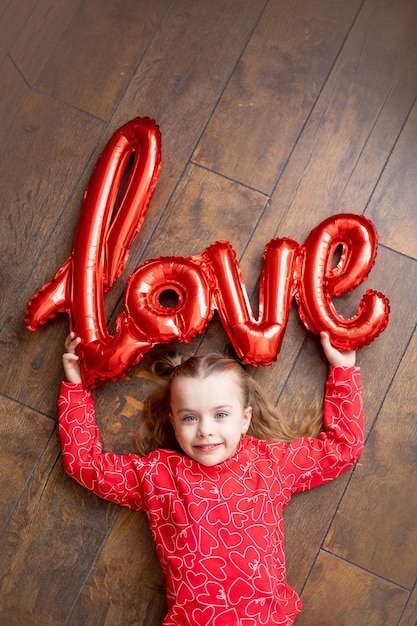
(247, 416)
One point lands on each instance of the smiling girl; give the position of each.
(216, 468)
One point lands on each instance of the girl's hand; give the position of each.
(71, 361)
(334, 356)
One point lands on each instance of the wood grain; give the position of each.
(43, 146)
(23, 438)
(54, 535)
(113, 593)
(40, 34)
(13, 95)
(376, 600)
(337, 162)
(295, 45)
(98, 52)
(395, 196)
(13, 16)
(372, 513)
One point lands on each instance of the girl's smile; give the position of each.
(208, 416)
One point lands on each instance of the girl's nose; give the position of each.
(204, 429)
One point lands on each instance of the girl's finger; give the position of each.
(325, 340)
(71, 342)
(68, 340)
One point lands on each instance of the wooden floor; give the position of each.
(275, 114)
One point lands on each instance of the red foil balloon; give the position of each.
(320, 282)
(257, 341)
(101, 246)
(191, 292)
(198, 285)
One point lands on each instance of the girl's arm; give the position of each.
(110, 476)
(113, 477)
(309, 462)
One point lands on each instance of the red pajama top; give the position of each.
(219, 530)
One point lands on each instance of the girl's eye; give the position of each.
(221, 415)
(189, 418)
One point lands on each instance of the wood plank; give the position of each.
(117, 594)
(113, 45)
(14, 92)
(23, 436)
(408, 618)
(205, 208)
(37, 39)
(381, 494)
(13, 16)
(273, 89)
(340, 593)
(180, 91)
(50, 544)
(41, 157)
(354, 125)
(393, 206)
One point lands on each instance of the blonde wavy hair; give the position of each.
(156, 430)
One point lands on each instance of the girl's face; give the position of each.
(208, 416)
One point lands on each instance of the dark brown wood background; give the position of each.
(274, 115)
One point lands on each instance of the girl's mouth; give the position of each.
(207, 447)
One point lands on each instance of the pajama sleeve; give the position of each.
(310, 462)
(110, 476)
